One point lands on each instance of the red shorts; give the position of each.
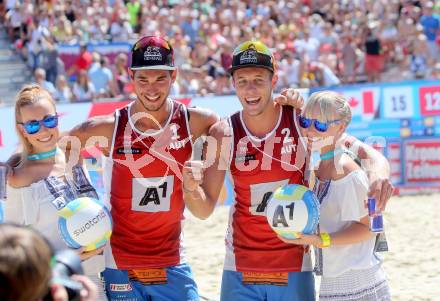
(373, 63)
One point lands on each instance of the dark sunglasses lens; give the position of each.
(304, 122)
(32, 127)
(50, 122)
(321, 126)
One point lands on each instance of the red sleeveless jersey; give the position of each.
(144, 189)
(258, 167)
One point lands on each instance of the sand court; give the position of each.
(412, 265)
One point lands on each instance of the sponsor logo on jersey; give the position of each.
(288, 148)
(124, 151)
(121, 287)
(178, 144)
(246, 158)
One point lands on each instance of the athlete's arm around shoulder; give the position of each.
(96, 131)
(347, 164)
(200, 121)
(377, 168)
(203, 180)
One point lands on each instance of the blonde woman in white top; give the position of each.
(41, 176)
(350, 268)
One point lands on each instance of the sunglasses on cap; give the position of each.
(251, 54)
(33, 126)
(320, 126)
(257, 45)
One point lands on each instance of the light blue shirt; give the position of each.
(101, 77)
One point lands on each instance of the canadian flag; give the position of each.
(364, 102)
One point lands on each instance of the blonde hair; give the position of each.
(332, 106)
(28, 95)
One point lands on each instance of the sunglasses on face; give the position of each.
(151, 41)
(320, 126)
(33, 126)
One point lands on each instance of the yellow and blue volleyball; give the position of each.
(85, 222)
(293, 210)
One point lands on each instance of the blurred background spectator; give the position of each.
(101, 78)
(40, 78)
(63, 91)
(120, 75)
(317, 42)
(83, 61)
(83, 88)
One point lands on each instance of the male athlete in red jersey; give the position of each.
(262, 149)
(145, 145)
(149, 141)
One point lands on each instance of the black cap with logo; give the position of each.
(152, 53)
(252, 54)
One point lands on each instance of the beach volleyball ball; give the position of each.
(293, 210)
(85, 222)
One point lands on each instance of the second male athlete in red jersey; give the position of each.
(258, 167)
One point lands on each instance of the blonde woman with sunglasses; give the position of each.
(350, 268)
(41, 176)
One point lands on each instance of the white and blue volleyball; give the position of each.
(293, 210)
(85, 222)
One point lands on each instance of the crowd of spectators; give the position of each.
(317, 42)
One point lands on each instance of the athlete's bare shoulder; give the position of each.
(95, 126)
(16, 178)
(99, 125)
(28, 173)
(200, 120)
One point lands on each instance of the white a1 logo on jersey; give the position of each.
(152, 194)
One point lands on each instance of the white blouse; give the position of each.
(343, 205)
(32, 206)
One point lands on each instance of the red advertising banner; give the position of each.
(106, 108)
(430, 100)
(415, 190)
(422, 161)
(394, 156)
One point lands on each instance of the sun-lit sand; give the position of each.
(412, 265)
